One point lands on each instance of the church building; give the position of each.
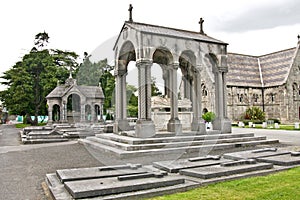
(271, 82)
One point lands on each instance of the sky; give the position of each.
(252, 27)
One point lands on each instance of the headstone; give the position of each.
(250, 124)
(264, 125)
(241, 124)
(277, 126)
(297, 125)
(282, 160)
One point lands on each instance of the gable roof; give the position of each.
(260, 71)
(87, 91)
(170, 32)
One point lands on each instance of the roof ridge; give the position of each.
(175, 29)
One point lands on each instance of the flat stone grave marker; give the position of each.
(65, 175)
(173, 166)
(116, 185)
(293, 158)
(253, 154)
(226, 169)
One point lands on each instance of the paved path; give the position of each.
(285, 137)
(23, 167)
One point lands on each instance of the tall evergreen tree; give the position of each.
(30, 80)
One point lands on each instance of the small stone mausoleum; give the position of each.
(72, 103)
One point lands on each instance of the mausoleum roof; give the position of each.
(170, 32)
(259, 71)
(87, 91)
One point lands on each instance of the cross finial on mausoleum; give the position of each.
(201, 25)
(130, 13)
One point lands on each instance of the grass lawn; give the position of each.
(279, 186)
(282, 127)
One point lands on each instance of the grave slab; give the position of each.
(109, 186)
(254, 154)
(99, 172)
(173, 166)
(282, 160)
(219, 170)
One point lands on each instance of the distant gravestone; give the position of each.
(277, 126)
(264, 125)
(297, 125)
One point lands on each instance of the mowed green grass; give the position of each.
(279, 186)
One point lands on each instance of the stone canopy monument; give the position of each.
(173, 50)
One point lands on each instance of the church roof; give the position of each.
(171, 32)
(260, 71)
(87, 91)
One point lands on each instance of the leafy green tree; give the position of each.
(132, 106)
(154, 89)
(30, 80)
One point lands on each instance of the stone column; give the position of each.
(221, 122)
(166, 78)
(63, 112)
(93, 113)
(121, 122)
(144, 126)
(198, 123)
(82, 113)
(174, 124)
(50, 120)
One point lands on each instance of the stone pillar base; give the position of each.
(224, 125)
(144, 129)
(174, 125)
(121, 125)
(50, 122)
(199, 127)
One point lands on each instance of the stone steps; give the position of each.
(173, 150)
(43, 140)
(172, 144)
(179, 138)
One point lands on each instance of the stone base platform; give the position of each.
(171, 143)
(135, 181)
(57, 133)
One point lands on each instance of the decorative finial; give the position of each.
(130, 13)
(201, 25)
(298, 37)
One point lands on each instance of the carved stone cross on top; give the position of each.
(201, 25)
(130, 12)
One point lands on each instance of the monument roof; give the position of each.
(170, 32)
(87, 91)
(260, 71)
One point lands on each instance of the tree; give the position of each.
(132, 106)
(35, 76)
(154, 89)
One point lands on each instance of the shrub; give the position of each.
(275, 120)
(209, 116)
(254, 113)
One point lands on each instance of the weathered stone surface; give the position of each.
(218, 170)
(96, 172)
(283, 160)
(175, 166)
(254, 154)
(100, 187)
